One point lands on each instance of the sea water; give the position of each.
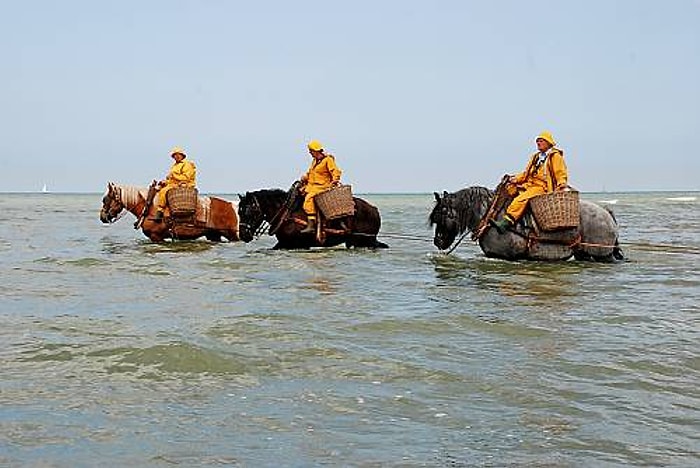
(120, 352)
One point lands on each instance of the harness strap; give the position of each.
(497, 203)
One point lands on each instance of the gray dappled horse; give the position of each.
(460, 212)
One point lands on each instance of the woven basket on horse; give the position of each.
(336, 202)
(182, 201)
(556, 210)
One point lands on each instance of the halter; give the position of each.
(125, 196)
(449, 213)
(277, 219)
(260, 228)
(118, 199)
(461, 218)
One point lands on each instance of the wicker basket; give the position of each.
(336, 202)
(182, 201)
(556, 210)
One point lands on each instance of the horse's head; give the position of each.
(457, 213)
(445, 218)
(112, 204)
(250, 216)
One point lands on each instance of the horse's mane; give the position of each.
(469, 204)
(130, 193)
(267, 194)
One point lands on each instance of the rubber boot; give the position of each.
(159, 216)
(310, 227)
(502, 225)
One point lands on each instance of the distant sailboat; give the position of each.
(44, 189)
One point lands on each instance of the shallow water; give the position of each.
(120, 352)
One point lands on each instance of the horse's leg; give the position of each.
(379, 244)
(213, 236)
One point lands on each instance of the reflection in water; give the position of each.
(320, 284)
(523, 300)
(545, 284)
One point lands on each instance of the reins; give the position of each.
(284, 210)
(459, 241)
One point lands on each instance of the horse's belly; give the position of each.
(550, 252)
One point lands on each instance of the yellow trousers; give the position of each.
(517, 207)
(163, 196)
(309, 205)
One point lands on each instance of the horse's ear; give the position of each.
(437, 196)
(444, 193)
(240, 197)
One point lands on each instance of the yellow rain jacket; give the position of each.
(181, 173)
(319, 178)
(537, 179)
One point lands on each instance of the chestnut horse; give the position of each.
(215, 218)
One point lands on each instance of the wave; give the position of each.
(682, 199)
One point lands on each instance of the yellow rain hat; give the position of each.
(177, 150)
(546, 136)
(315, 145)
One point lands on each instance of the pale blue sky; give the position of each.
(412, 96)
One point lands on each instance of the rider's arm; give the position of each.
(561, 174)
(184, 174)
(333, 169)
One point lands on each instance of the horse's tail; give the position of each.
(379, 244)
(617, 250)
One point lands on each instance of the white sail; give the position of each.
(44, 189)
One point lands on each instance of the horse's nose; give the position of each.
(103, 217)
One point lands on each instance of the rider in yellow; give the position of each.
(545, 172)
(322, 175)
(182, 173)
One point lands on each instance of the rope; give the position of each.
(452, 249)
(396, 235)
(392, 235)
(661, 247)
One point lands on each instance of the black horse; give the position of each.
(595, 239)
(282, 211)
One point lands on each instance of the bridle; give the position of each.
(447, 213)
(115, 195)
(259, 227)
(276, 220)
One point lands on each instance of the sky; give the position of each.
(410, 96)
